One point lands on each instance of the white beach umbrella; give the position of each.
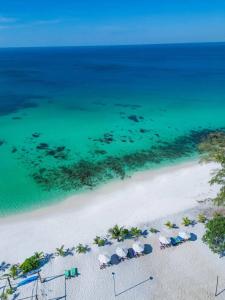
(164, 240)
(185, 235)
(104, 258)
(121, 252)
(138, 247)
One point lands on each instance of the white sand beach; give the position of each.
(187, 271)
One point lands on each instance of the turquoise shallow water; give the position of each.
(72, 118)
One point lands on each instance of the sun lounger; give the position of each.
(179, 239)
(67, 274)
(176, 240)
(73, 272)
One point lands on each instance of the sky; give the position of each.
(110, 22)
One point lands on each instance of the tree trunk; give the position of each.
(9, 282)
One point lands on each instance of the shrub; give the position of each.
(30, 264)
(214, 236)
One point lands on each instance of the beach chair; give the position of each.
(180, 239)
(73, 272)
(67, 274)
(176, 240)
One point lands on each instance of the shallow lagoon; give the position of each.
(71, 118)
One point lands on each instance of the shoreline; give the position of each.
(145, 197)
(81, 198)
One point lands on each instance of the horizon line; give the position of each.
(113, 45)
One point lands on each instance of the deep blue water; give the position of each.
(30, 73)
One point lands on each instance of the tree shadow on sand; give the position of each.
(4, 266)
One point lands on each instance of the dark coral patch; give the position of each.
(101, 152)
(106, 139)
(2, 142)
(89, 173)
(16, 118)
(42, 146)
(14, 150)
(36, 134)
(133, 118)
(142, 130)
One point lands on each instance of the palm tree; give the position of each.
(135, 232)
(217, 214)
(118, 233)
(202, 218)
(60, 251)
(82, 248)
(13, 271)
(170, 225)
(186, 221)
(153, 230)
(39, 255)
(7, 277)
(115, 232)
(99, 241)
(124, 233)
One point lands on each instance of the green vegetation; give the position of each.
(30, 264)
(39, 255)
(214, 236)
(217, 214)
(135, 232)
(13, 271)
(4, 296)
(118, 233)
(186, 221)
(60, 251)
(100, 242)
(202, 218)
(82, 248)
(153, 230)
(9, 291)
(170, 225)
(213, 149)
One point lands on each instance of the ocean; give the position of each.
(72, 118)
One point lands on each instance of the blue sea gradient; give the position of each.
(109, 110)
